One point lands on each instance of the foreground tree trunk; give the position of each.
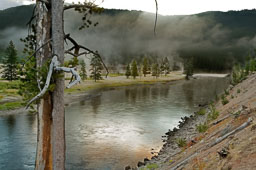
(58, 113)
(44, 148)
(51, 121)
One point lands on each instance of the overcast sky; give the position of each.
(166, 7)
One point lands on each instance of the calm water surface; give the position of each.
(114, 128)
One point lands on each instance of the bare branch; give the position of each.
(77, 47)
(36, 51)
(54, 66)
(79, 6)
(156, 17)
(47, 83)
(45, 1)
(220, 139)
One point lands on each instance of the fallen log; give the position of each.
(220, 139)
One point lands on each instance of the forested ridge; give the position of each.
(215, 40)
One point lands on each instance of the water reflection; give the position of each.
(95, 103)
(130, 121)
(10, 121)
(111, 129)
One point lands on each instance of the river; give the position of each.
(114, 128)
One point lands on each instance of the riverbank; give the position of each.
(219, 136)
(79, 91)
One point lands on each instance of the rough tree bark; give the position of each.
(44, 148)
(51, 119)
(58, 113)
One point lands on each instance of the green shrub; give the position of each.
(213, 113)
(181, 142)
(201, 127)
(152, 166)
(201, 112)
(238, 91)
(226, 92)
(1, 97)
(9, 85)
(11, 105)
(224, 101)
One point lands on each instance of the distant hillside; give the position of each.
(214, 39)
(15, 17)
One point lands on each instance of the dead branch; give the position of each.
(54, 66)
(45, 1)
(220, 139)
(36, 51)
(79, 6)
(156, 17)
(220, 120)
(184, 161)
(47, 83)
(77, 47)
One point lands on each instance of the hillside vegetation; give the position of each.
(215, 40)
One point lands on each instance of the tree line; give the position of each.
(12, 66)
(145, 68)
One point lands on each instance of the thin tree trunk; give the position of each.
(58, 113)
(44, 148)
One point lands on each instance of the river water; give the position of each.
(113, 128)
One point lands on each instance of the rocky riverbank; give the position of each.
(220, 137)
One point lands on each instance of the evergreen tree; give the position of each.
(145, 67)
(166, 66)
(96, 68)
(128, 71)
(162, 67)
(188, 67)
(10, 63)
(134, 69)
(155, 70)
(83, 73)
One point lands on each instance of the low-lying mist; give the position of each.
(120, 36)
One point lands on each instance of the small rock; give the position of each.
(127, 168)
(223, 153)
(140, 164)
(253, 127)
(146, 160)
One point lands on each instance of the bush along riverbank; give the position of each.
(221, 135)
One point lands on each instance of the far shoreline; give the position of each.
(77, 91)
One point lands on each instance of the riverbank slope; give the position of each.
(221, 136)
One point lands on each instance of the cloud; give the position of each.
(13, 34)
(12, 3)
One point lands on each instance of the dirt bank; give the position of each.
(229, 140)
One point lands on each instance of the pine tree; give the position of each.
(96, 68)
(10, 63)
(83, 73)
(162, 67)
(166, 66)
(145, 66)
(155, 70)
(188, 67)
(134, 69)
(128, 71)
